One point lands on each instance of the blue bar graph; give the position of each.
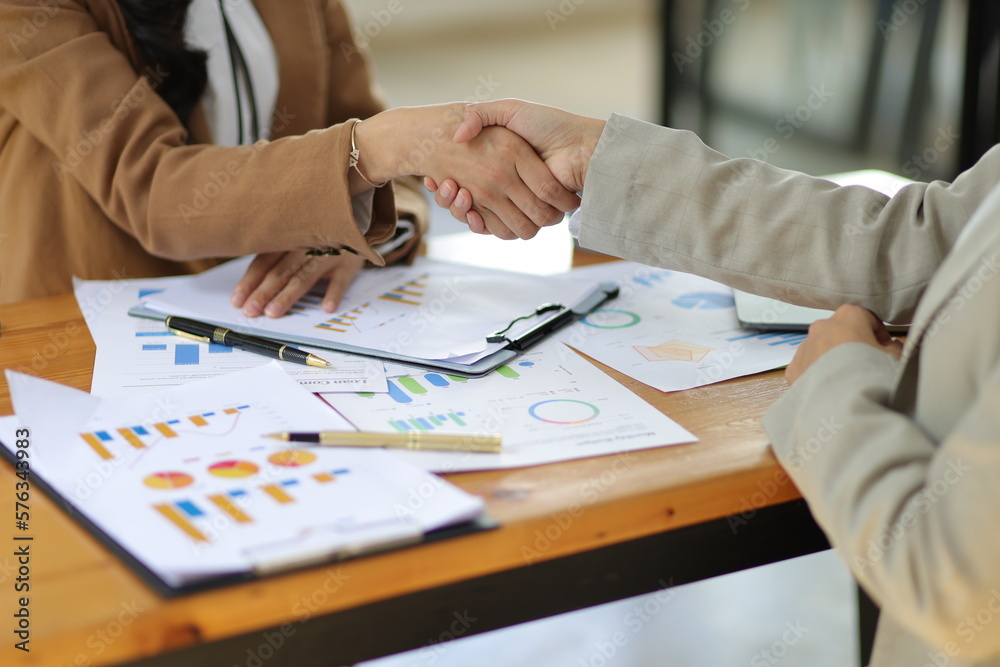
(397, 394)
(186, 355)
(436, 380)
(189, 508)
(652, 279)
(151, 348)
(215, 348)
(773, 337)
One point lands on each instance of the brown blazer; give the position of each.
(100, 179)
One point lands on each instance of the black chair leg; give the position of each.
(867, 621)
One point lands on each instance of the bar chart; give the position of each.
(106, 442)
(773, 338)
(199, 518)
(429, 422)
(407, 388)
(410, 292)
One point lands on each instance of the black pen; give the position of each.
(209, 333)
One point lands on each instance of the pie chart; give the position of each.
(168, 480)
(233, 469)
(705, 301)
(292, 458)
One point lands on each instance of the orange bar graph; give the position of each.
(230, 508)
(97, 446)
(132, 438)
(230, 411)
(324, 477)
(165, 430)
(198, 420)
(278, 493)
(175, 518)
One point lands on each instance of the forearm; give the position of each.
(402, 142)
(661, 197)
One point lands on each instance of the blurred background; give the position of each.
(908, 86)
(738, 72)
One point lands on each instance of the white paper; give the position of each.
(192, 489)
(549, 405)
(431, 310)
(673, 330)
(136, 354)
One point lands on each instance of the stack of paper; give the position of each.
(433, 313)
(138, 355)
(185, 482)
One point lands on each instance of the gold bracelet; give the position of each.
(356, 156)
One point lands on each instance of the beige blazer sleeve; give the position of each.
(899, 462)
(660, 196)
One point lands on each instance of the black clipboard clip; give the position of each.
(560, 317)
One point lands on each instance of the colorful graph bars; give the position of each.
(345, 321)
(224, 503)
(428, 423)
(404, 389)
(773, 337)
(411, 292)
(141, 437)
(184, 354)
(651, 279)
(187, 514)
(180, 520)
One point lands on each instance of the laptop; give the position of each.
(764, 314)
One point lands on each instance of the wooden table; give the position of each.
(573, 534)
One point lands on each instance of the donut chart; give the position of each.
(563, 411)
(608, 318)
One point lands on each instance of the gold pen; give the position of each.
(446, 442)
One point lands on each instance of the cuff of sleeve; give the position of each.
(362, 206)
(618, 170)
(410, 203)
(382, 218)
(814, 412)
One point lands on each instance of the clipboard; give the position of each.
(534, 327)
(165, 590)
(273, 504)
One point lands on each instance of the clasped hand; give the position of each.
(849, 324)
(514, 191)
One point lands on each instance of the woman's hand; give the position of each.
(276, 280)
(458, 200)
(565, 141)
(849, 324)
(514, 192)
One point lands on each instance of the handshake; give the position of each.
(506, 168)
